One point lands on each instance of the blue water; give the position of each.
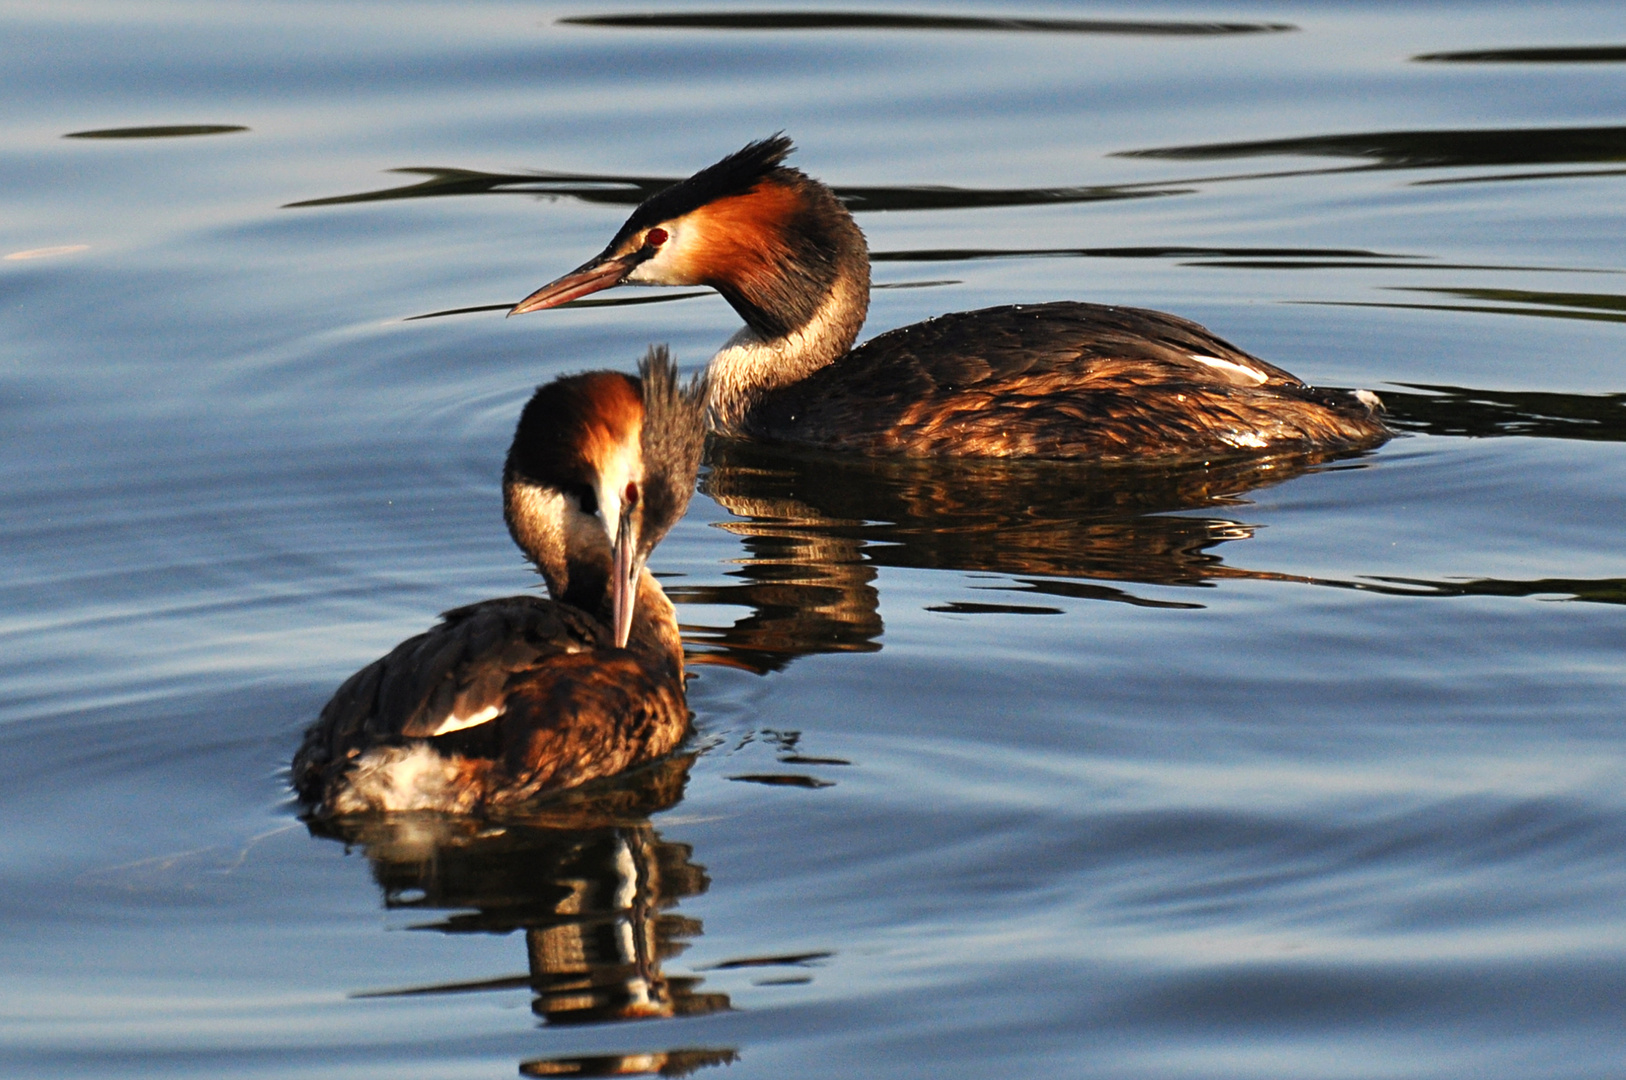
(1283, 769)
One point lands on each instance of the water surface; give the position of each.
(1293, 767)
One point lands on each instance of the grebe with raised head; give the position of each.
(1058, 380)
(511, 698)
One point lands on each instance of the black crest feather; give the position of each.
(673, 436)
(734, 175)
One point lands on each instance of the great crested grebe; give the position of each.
(510, 698)
(1057, 380)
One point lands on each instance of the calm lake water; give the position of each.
(1282, 768)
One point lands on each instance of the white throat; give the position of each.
(748, 366)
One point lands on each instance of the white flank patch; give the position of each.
(1369, 399)
(1256, 377)
(459, 723)
(398, 778)
(47, 252)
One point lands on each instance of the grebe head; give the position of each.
(776, 243)
(601, 466)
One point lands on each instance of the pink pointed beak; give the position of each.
(591, 277)
(625, 567)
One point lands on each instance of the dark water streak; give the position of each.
(632, 190)
(1555, 54)
(862, 20)
(1586, 307)
(1455, 410)
(170, 131)
(1428, 149)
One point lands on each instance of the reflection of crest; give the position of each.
(591, 883)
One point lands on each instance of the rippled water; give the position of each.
(1280, 768)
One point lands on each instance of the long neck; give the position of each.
(806, 316)
(655, 633)
(750, 365)
(537, 519)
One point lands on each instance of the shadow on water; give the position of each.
(1589, 307)
(1600, 591)
(1454, 410)
(1174, 251)
(614, 301)
(632, 190)
(1246, 258)
(172, 131)
(1375, 151)
(1393, 150)
(1424, 149)
(816, 528)
(629, 191)
(592, 884)
(875, 20)
(1551, 54)
(1443, 149)
(1594, 306)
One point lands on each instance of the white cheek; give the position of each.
(671, 264)
(664, 268)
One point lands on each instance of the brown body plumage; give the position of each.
(1058, 380)
(511, 698)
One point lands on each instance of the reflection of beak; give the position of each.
(623, 578)
(590, 277)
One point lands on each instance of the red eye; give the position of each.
(655, 238)
(632, 495)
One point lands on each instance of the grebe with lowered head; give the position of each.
(508, 699)
(1058, 380)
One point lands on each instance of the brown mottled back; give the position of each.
(1061, 380)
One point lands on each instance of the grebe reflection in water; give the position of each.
(594, 887)
(817, 528)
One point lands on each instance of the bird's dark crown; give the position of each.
(736, 174)
(566, 426)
